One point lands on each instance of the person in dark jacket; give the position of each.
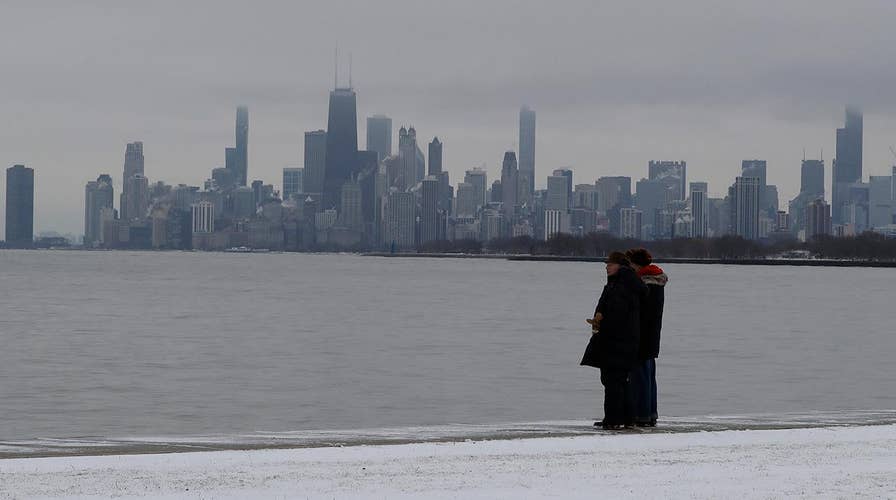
(643, 376)
(614, 342)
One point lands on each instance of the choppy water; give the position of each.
(128, 345)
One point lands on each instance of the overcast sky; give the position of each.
(615, 84)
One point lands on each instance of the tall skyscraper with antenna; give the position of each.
(342, 142)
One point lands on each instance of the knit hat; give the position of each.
(617, 258)
(639, 256)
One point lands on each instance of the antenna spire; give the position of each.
(349, 70)
(336, 67)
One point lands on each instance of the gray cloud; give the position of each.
(614, 83)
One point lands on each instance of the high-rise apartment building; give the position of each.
(818, 216)
(467, 204)
(19, 206)
(400, 220)
(746, 210)
(292, 182)
(435, 157)
(315, 161)
(557, 193)
(242, 145)
(350, 206)
(847, 164)
(527, 152)
(98, 195)
(432, 226)
(699, 220)
(479, 180)
(673, 174)
(404, 175)
(630, 222)
(509, 184)
(379, 136)
(136, 201)
(133, 165)
(880, 200)
(555, 222)
(203, 217)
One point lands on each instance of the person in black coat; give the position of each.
(643, 376)
(614, 341)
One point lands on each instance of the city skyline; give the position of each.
(627, 109)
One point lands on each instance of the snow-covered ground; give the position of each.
(810, 463)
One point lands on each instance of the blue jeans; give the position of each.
(643, 380)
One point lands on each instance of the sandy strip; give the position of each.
(854, 462)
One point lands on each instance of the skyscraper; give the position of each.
(527, 151)
(698, 214)
(19, 206)
(847, 164)
(758, 169)
(404, 176)
(242, 145)
(818, 217)
(812, 178)
(379, 136)
(430, 217)
(98, 195)
(479, 180)
(435, 157)
(509, 184)
(315, 161)
(342, 145)
(880, 200)
(630, 221)
(673, 174)
(653, 197)
(350, 206)
(567, 174)
(557, 195)
(133, 159)
(399, 221)
(133, 165)
(292, 182)
(746, 210)
(137, 200)
(466, 205)
(203, 217)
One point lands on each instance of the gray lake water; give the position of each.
(131, 344)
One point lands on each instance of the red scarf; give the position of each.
(651, 270)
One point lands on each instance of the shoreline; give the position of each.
(392, 436)
(520, 257)
(822, 462)
(658, 260)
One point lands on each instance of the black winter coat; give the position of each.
(616, 346)
(652, 316)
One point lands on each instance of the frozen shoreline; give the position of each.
(818, 462)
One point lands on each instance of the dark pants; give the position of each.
(619, 404)
(643, 378)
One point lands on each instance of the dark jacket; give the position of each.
(652, 311)
(616, 346)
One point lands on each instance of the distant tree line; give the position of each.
(867, 246)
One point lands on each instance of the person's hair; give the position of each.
(639, 256)
(617, 258)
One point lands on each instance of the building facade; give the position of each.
(19, 206)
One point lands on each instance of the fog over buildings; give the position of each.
(614, 86)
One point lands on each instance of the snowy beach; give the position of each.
(832, 462)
